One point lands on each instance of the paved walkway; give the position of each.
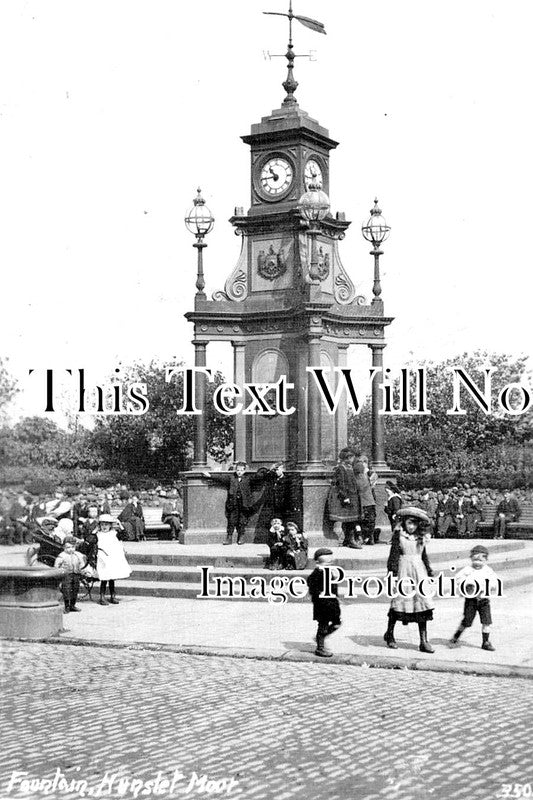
(116, 723)
(286, 630)
(272, 630)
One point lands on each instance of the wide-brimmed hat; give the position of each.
(414, 513)
(106, 518)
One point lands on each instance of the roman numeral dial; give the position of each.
(276, 177)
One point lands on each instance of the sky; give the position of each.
(112, 113)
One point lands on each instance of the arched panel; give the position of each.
(270, 433)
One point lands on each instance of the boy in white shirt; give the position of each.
(478, 601)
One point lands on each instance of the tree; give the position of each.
(439, 441)
(39, 441)
(159, 442)
(8, 385)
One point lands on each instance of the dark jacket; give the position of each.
(344, 488)
(447, 507)
(130, 511)
(236, 488)
(324, 609)
(282, 495)
(394, 503)
(510, 508)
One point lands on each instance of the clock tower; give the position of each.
(288, 304)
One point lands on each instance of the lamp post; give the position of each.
(313, 206)
(199, 221)
(376, 231)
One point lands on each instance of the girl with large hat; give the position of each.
(111, 564)
(408, 559)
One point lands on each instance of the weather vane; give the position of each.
(290, 84)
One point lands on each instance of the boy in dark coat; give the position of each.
(326, 611)
(239, 500)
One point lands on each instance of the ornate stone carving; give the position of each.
(343, 290)
(323, 265)
(236, 287)
(271, 265)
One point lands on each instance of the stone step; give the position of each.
(170, 554)
(514, 578)
(174, 573)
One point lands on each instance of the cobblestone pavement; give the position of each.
(255, 729)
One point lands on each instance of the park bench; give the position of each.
(154, 529)
(523, 529)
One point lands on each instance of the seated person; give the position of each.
(296, 547)
(507, 511)
(276, 542)
(132, 519)
(170, 515)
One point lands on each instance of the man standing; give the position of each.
(281, 497)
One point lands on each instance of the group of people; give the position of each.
(271, 492)
(22, 513)
(99, 554)
(288, 546)
(408, 559)
(351, 502)
(459, 509)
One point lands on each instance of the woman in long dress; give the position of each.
(344, 507)
(408, 559)
(111, 564)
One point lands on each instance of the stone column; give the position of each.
(314, 408)
(200, 426)
(239, 442)
(342, 411)
(378, 446)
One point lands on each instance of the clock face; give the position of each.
(276, 176)
(313, 174)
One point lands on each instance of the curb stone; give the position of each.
(365, 661)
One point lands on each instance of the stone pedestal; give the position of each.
(29, 604)
(204, 519)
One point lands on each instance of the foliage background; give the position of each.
(494, 450)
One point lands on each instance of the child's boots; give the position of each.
(487, 644)
(321, 650)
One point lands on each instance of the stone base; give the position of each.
(204, 520)
(29, 605)
(30, 623)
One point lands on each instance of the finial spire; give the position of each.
(290, 84)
